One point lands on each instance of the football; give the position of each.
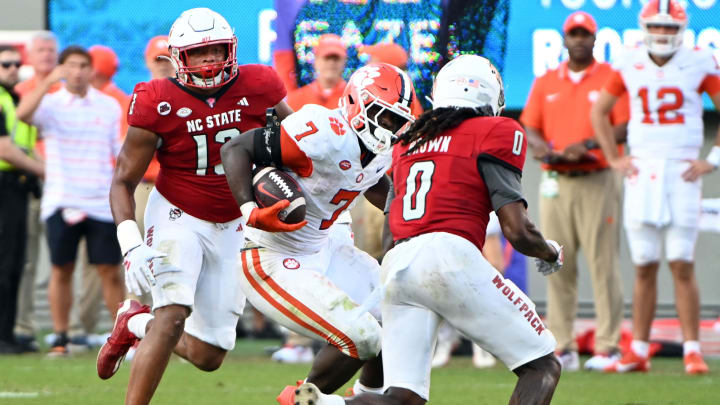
(271, 185)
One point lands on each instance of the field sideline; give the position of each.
(248, 377)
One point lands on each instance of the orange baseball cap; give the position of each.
(330, 44)
(157, 46)
(580, 19)
(104, 60)
(390, 52)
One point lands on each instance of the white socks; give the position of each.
(331, 399)
(690, 346)
(359, 388)
(640, 348)
(138, 323)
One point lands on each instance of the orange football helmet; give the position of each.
(376, 103)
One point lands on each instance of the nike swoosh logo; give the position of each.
(261, 188)
(379, 169)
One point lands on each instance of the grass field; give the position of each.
(248, 377)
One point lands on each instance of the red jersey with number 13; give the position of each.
(438, 187)
(192, 129)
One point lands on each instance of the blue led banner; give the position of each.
(522, 37)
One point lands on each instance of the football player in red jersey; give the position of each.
(456, 164)
(193, 225)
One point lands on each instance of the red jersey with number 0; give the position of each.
(192, 128)
(438, 187)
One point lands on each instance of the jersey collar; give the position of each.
(563, 70)
(205, 97)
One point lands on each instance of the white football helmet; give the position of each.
(667, 13)
(196, 28)
(469, 81)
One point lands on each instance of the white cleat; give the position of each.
(307, 394)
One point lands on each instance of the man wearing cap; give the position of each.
(105, 64)
(579, 196)
(158, 66)
(328, 86)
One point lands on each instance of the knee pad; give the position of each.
(365, 335)
(644, 241)
(680, 243)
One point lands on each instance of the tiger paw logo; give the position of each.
(291, 264)
(337, 126)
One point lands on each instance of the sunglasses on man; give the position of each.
(8, 64)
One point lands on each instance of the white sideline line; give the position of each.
(12, 394)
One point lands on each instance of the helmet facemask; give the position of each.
(663, 44)
(379, 123)
(207, 75)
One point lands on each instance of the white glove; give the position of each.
(547, 268)
(139, 276)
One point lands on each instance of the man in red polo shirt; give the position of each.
(579, 204)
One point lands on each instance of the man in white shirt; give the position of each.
(80, 126)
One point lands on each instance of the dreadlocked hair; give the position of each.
(436, 121)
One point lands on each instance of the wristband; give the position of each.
(714, 156)
(247, 208)
(128, 235)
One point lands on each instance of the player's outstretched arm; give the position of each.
(522, 233)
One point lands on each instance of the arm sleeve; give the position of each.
(3, 127)
(276, 148)
(503, 184)
(616, 85)
(142, 112)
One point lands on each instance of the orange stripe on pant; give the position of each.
(347, 346)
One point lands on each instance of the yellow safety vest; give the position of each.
(21, 134)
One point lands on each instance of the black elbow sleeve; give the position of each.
(266, 146)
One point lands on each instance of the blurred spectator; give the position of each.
(80, 126)
(330, 58)
(43, 57)
(42, 52)
(391, 53)
(105, 64)
(159, 67)
(18, 168)
(579, 202)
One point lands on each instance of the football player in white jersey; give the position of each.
(303, 279)
(663, 169)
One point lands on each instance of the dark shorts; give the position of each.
(100, 236)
